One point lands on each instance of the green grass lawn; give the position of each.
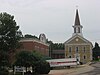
(11, 73)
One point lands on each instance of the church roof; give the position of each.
(77, 20)
(82, 38)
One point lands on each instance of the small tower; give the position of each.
(77, 26)
(42, 38)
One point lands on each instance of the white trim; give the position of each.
(73, 37)
(77, 44)
(33, 40)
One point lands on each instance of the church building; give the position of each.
(77, 46)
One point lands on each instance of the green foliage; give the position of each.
(4, 71)
(56, 46)
(27, 59)
(9, 33)
(17, 73)
(96, 51)
(30, 36)
(4, 60)
(43, 67)
(9, 37)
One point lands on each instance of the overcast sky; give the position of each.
(55, 18)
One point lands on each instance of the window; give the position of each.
(84, 49)
(70, 49)
(78, 29)
(84, 57)
(74, 30)
(76, 49)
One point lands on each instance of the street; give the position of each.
(96, 70)
(93, 69)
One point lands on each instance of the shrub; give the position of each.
(43, 67)
(4, 71)
(28, 73)
(81, 63)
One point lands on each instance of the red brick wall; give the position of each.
(27, 45)
(33, 45)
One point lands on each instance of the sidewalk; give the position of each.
(72, 71)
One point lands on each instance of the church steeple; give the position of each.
(77, 26)
(77, 20)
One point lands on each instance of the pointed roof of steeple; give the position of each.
(77, 20)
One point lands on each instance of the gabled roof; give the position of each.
(82, 38)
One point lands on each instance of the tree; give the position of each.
(26, 59)
(96, 51)
(32, 59)
(54, 46)
(9, 37)
(96, 45)
(43, 67)
(30, 36)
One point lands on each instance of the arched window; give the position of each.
(78, 29)
(76, 49)
(70, 49)
(74, 30)
(84, 49)
(84, 57)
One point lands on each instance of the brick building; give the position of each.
(32, 44)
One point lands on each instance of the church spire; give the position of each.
(77, 20)
(77, 26)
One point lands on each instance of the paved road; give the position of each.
(72, 71)
(95, 71)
